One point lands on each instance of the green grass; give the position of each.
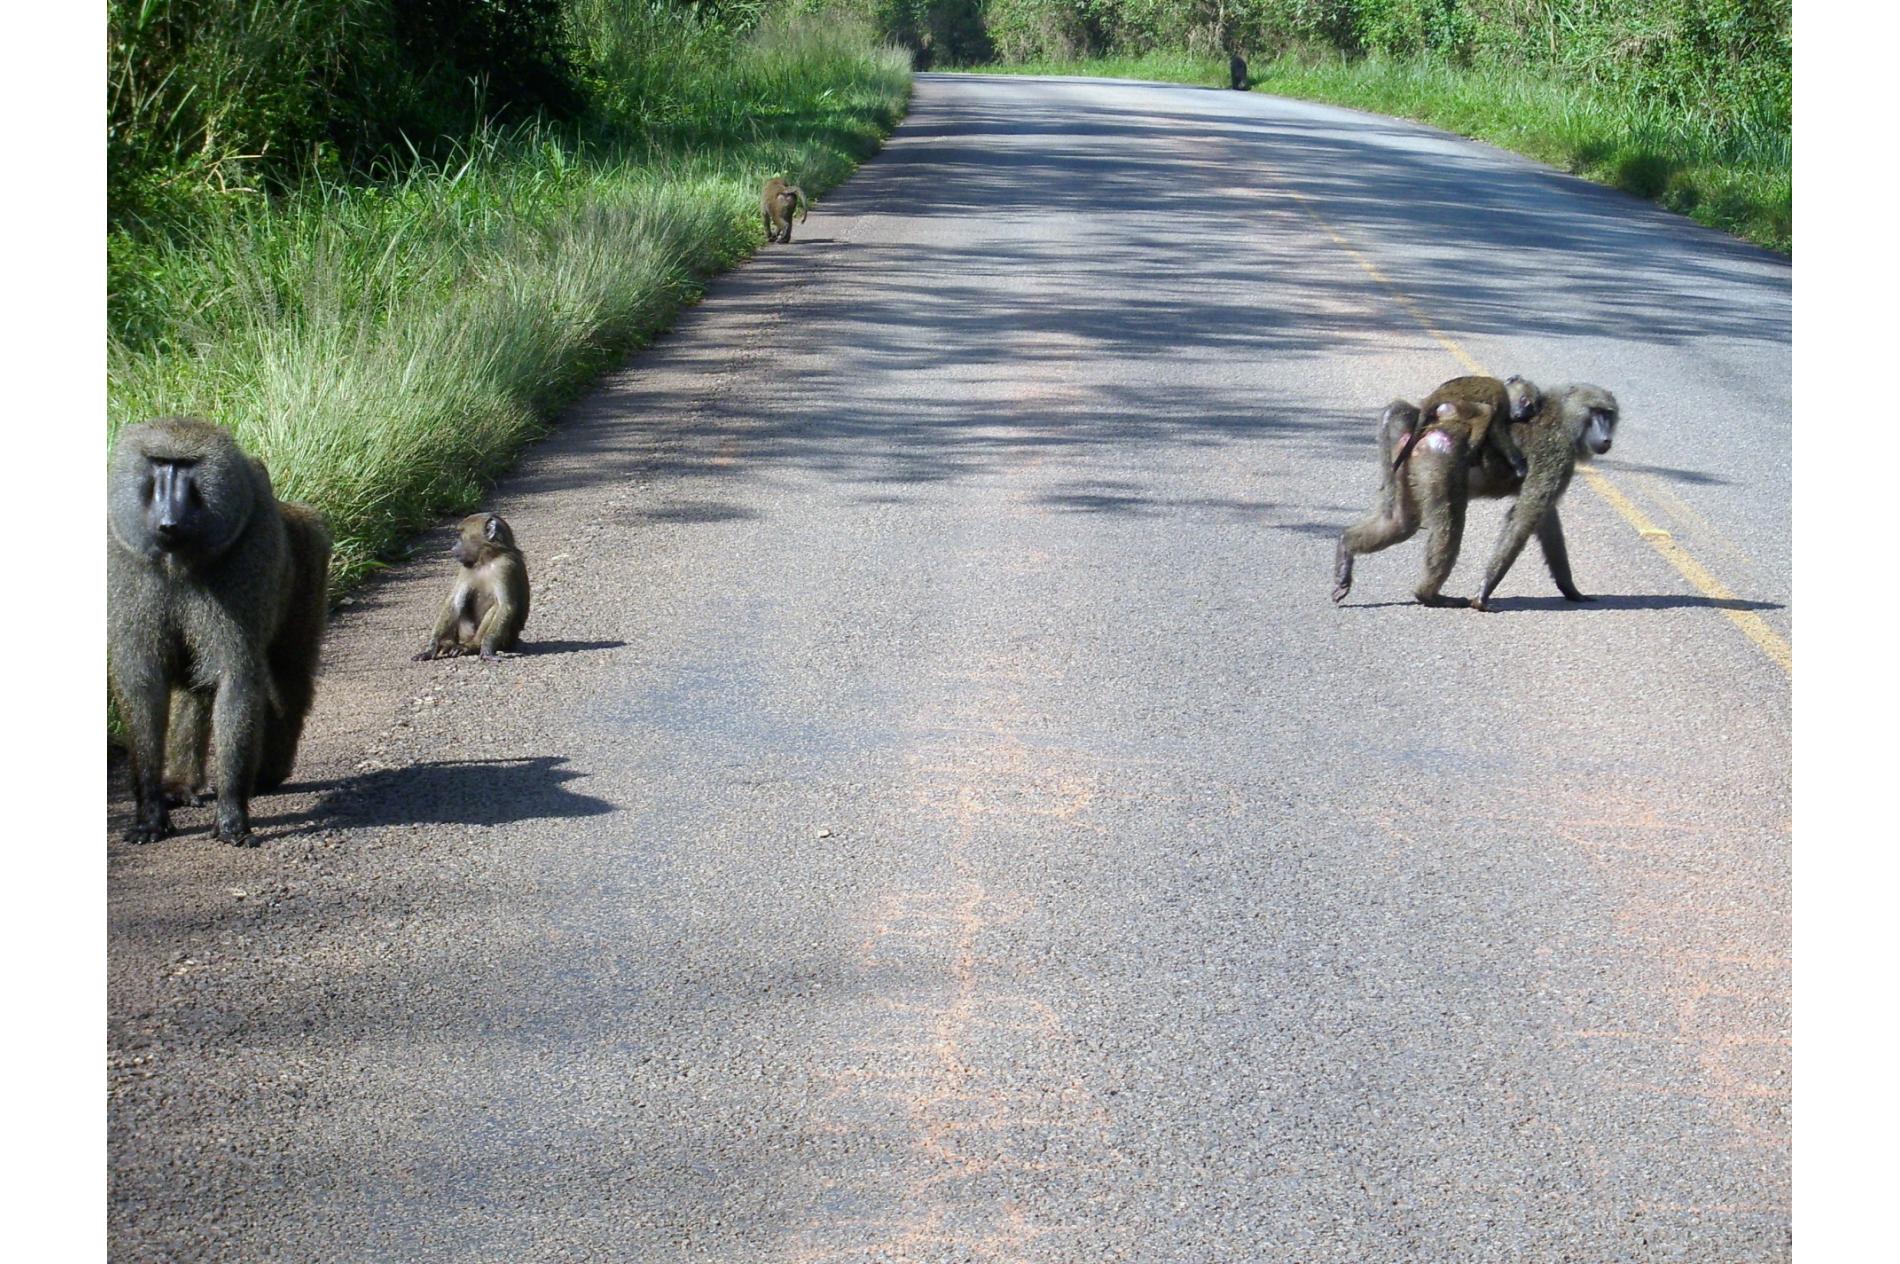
(1160, 67)
(1740, 182)
(388, 348)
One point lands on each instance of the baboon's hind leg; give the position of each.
(1393, 522)
(1445, 525)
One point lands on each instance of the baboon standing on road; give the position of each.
(216, 595)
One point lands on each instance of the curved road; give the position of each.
(941, 816)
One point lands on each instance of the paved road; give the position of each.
(941, 816)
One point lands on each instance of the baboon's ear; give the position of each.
(492, 528)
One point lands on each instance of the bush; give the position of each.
(386, 345)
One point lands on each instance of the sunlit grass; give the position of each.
(1740, 181)
(387, 349)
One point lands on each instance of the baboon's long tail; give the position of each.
(1411, 440)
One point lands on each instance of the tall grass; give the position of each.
(1737, 178)
(387, 348)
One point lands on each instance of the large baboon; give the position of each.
(1571, 423)
(216, 594)
(488, 606)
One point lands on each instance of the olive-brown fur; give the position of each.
(1571, 423)
(1510, 401)
(488, 606)
(777, 203)
(216, 599)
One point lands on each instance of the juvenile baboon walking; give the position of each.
(1431, 490)
(216, 595)
(488, 606)
(777, 202)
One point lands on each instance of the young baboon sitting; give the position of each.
(777, 201)
(1571, 423)
(488, 606)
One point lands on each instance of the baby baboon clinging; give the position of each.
(1570, 423)
(216, 594)
(1237, 72)
(1510, 401)
(488, 606)
(777, 202)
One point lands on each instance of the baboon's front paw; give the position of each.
(149, 831)
(1340, 591)
(236, 831)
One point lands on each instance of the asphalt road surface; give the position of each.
(940, 815)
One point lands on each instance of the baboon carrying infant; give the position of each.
(1431, 490)
(1508, 402)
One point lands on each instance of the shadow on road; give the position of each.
(1632, 601)
(448, 792)
(1150, 313)
(536, 648)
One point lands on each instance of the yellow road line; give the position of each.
(1752, 625)
(1400, 297)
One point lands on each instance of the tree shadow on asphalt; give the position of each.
(692, 513)
(1155, 316)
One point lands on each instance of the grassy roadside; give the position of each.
(1741, 182)
(387, 348)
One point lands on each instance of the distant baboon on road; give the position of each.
(777, 201)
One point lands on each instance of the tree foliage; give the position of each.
(1726, 62)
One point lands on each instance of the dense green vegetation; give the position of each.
(1688, 102)
(383, 239)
